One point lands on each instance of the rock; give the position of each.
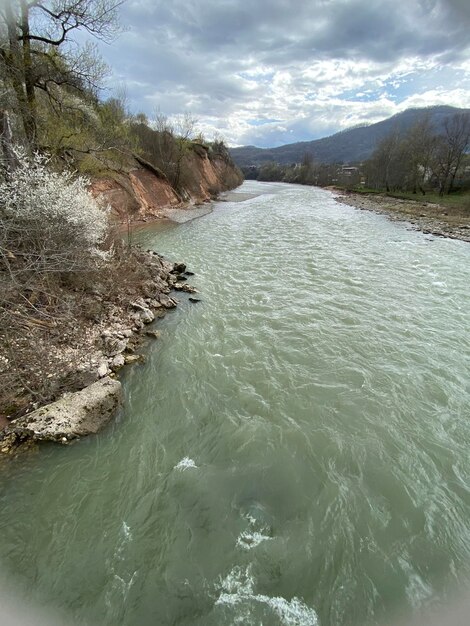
(154, 304)
(134, 358)
(194, 300)
(156, 334)
(184, 287)
(118, 362)
(167, 267)
(148, 288)
(103, 370)
(167, 302)
(181, 277)
(115, 346)
(179, 268)
(139, 304)
(147, 316)
(74, 415)
(127, 333)
(138, 323)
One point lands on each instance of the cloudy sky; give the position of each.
(269, 72)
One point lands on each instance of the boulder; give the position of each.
(103, 370)
(153, 333)
(147, 316)
(167, 302)
(188, 289)
(134, 358)
(118, 362)
(75, 415)
(114, 345)
(179, 268)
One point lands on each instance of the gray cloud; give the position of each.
(232, 62)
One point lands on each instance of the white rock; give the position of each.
(147, 316)
(103, 369)
(80, 413)
(118, 362)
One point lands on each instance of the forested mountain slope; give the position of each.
(348, 146)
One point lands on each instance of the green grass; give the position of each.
(460, 201)
(457, 202)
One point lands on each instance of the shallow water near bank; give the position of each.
(293, 452)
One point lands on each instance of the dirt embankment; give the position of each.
(143, 193)
(95, 327)
(86, 326)
(425, 216)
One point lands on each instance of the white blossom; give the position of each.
(52, 213)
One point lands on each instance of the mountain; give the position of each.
(347, 146)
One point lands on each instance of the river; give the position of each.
(294, 451)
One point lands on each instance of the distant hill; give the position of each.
(347, 146)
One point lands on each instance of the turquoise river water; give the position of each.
(295, 450)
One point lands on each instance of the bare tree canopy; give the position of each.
(34, 53)
(424, 157)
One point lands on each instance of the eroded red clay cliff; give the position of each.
(143, 193)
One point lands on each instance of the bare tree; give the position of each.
(420, 148)
(173, 142)
(34, 38)
(383, 165)
(451, 148)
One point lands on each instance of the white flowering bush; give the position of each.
(49, 219)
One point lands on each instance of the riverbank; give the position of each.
(107, 318)
(428, 217)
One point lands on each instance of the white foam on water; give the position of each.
(121, 580)
(185, 464)
(248, 540)
(237, 590)
(417, 590)
(126, 531)
(251, 538)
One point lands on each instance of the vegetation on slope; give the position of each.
(352, 145)
(63, 270)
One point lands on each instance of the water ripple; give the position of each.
(322, 388)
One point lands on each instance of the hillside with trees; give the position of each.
(423, 159)
(349, 146)
(71, 166)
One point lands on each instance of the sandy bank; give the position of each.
(236, 196)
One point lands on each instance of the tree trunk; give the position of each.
(11, 161)
(31, 130)
(15, 68)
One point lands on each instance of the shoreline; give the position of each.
(428, 217)
(85, 390)
(83, 370)
(188, 212)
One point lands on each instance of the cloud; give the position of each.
(313, 67)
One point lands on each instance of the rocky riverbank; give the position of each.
(54, 372)
(425, 216)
